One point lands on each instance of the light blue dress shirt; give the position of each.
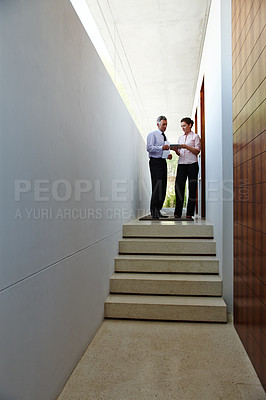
(155, 142)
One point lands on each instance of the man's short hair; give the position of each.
(162, 117)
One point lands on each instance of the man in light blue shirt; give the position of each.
(158, 167)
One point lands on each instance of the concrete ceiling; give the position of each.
(155, 47)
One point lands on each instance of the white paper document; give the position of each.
(166, 152)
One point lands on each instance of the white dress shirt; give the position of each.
(155, 142)
(192, 140)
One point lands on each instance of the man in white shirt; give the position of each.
(156, 147)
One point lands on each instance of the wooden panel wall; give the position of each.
(249, 111)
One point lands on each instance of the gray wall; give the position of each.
(61, 119)
(216, 68)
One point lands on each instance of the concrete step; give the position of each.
(167, 264)
(167, 246)
(170, 229)
(170, 284)
(172, 308)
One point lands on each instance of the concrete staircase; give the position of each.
(167, 271)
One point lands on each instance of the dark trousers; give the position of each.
(158, 169)
(185, 171)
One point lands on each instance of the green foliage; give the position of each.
(172, 165)
(170, 200)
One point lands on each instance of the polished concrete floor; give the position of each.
(147, 360)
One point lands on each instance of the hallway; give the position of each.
(75, 171)
(143, 360)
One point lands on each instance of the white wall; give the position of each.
(216, 68)
(61, 118)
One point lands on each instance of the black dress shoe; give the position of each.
(155, 214)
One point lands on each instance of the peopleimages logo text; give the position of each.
(41, 213)
(60, 190)
(81, 199)
(115, 190)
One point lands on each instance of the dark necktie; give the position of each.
(164, 136)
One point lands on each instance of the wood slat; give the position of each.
(253, 126)
(251, 105)
(254, 282)
(251, 237)
(253, 80)
(250, 257)
(250, 150)
(251, 193)
(249, 111)
(254, 308)
(254, 350)
(248, 22)
(239, 76)
(236, 9)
